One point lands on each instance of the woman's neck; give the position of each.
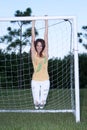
(38, 54)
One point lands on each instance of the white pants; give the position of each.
(40, 91)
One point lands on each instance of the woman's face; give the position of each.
(39, 47)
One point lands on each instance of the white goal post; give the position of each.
(63, 64)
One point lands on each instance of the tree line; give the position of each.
(16, 69)
(58, 70)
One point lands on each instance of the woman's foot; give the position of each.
(41, 106)
(36, 107)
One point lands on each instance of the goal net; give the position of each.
(16, 66)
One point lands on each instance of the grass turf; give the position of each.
(45, 121)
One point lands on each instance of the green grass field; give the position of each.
(45, 121)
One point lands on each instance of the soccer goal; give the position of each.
(16, 66)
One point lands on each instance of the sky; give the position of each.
(47, 7)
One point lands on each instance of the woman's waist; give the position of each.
(40, 76)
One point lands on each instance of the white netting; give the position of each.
(16, 68)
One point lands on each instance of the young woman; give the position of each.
(40, 80)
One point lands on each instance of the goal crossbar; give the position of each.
(37, 18)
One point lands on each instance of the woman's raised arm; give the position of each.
(46, 37)
(33, 38)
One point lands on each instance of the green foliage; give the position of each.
(82, 36)
(59, 70)
(10, 74)
(83, 70)
(10, 70)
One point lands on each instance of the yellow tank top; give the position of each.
(40, 65)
